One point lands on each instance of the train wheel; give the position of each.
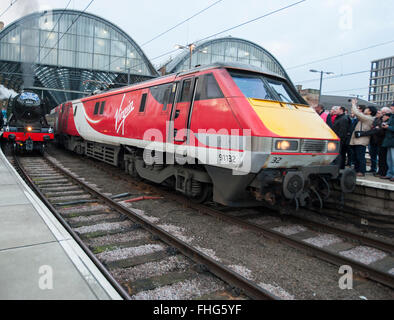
(204, 195)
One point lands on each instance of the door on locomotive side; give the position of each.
(182, 111)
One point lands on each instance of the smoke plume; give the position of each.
(5, 93)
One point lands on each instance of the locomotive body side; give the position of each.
(206, 129)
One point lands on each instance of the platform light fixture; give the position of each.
(191, 48)
(321, 78)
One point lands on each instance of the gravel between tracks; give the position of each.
(271, 263)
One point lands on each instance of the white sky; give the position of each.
(309, 31)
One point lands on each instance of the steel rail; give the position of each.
(367, 271)
(378, 244)
(248, 287)
(121, 291)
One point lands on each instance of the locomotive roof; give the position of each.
(232, 65)
(173, 76)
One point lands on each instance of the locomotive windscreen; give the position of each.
(27, 106)
(264, 88)
(29, 99)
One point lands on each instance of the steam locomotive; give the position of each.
(27, 129)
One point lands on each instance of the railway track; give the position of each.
(120, 239)
(370, 257)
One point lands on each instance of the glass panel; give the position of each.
(131, 52)
(101, 46)
(282, 90)
(48, 56)
(9, 51)
(29, 54)
(101, 62)
(84, 60)
(117, 64)
(118, 48)
(252, 87)
(186, 91)
(67, 41)
(66, 58)
(48, 39)
(29, 37)
(13, 36)
(85, 44)
(101, 31)
(85, 26)
(65, 23)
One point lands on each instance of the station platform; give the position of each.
(39, 260)
(374, 182)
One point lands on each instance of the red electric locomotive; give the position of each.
(27, 129)
(236, 131)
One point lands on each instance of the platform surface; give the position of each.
(374, 182)
(38, 258)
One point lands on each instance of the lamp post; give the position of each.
(189, 47)
(321, 79)
(356, 95)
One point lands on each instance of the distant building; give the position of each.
(310, 95)
(328, 101)
(381, 83)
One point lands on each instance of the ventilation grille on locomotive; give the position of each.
(313, 146)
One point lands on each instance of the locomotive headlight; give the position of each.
(29, 129)
(50, 130)
(286, 145)
(332, 147)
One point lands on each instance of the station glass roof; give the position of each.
(227, 49)
(70, 52)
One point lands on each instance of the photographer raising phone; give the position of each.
(359, 140)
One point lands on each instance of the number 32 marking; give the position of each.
(276, 160)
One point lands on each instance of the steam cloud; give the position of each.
(5, 93)
(25, 8)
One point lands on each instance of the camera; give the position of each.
(358, 134)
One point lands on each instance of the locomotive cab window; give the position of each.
(96, 108)
(282, 90)
(186, 90)
(161, 94)
(252, 86)
(208, 88)
(143, 103)
(264, 88)
(102, 107)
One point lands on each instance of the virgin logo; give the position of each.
(121, 115)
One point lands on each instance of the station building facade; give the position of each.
(381, 83)
(65, 54)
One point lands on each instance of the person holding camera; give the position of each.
(388, 143)
(360, 138)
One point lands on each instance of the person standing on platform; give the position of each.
(323, 114)
(359, 140)
(388, 142)
(333, 113)
(341, 127)
(380, 134)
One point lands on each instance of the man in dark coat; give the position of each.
(341, 127)
(388, 142)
